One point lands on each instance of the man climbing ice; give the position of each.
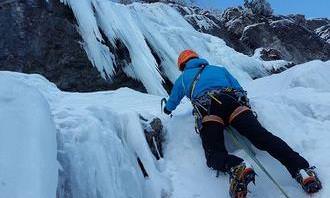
(219, 101)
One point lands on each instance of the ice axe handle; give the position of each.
(162, 102)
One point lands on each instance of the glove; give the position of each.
(168, 112)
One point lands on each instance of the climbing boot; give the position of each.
(240, 176)
(308, 180)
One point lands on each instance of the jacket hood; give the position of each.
(195, 62)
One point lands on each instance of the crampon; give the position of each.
(308, 180)
(240, 177)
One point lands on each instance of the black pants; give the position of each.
(247, 125)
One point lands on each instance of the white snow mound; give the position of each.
(28, 166)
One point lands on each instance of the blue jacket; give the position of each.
(212, 77)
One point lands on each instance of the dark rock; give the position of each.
(40, 37)
(270, 54)
(324, 32)
(234, 22)
(214, 25)
(298, 19)
(313, 24)
(259, 7)
(295, 42)
(245, 29)
(155, 135)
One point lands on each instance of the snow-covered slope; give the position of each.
(149, 30)
(100, 137)
(293, 105)
(28, 166)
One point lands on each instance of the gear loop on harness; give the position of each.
(237, 112)
(213, 118)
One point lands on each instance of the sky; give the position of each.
(310, 8)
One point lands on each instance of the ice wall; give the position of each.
(27, 142)
(151, 32)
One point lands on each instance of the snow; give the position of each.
(195, 15)
(281, 22)
(324, 32)
(311, 75)
(246, 28)
(276, 65)
(100, 137)
(168, 33)
(257, 53)
(293, 105)
(203, 22)
(271, 66)
(27, 142)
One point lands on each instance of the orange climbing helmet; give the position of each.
(184, 57)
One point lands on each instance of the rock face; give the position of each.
(270, 54)
(210, 22)
(40, 37)
(253, 26)
(155, 135)
(324, 32)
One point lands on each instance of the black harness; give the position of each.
(204, 102)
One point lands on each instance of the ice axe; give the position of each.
(162, 103)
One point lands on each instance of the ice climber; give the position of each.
(219, 101)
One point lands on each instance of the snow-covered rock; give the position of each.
(200, 19)
(273, 62)
(259, 7)
(292, 46)
(253, 26)
(324, 32)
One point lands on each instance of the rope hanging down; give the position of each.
(251, 154)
